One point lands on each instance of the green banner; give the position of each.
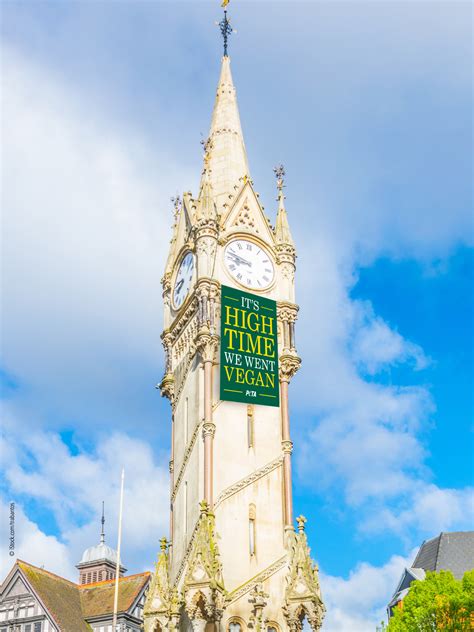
(249, 348)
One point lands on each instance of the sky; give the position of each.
(369, 107)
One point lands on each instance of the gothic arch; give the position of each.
(235, 619)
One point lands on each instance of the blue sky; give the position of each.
(369, 107)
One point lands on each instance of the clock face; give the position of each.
(183, 280)
(249, 264)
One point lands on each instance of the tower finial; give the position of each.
(176, 201)
(225, 26)
(102, 533)
(279, 171)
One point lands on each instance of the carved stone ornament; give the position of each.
(203, 590)
(287, 311)
(303, 594)
(162, 603)
(245, 218)
(289, 364)
(208, 429)
(258, 599)
(167, 386)
(207, 345)
(207, 242)
(286, 253)
(288, 271)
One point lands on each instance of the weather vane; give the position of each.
(225, 26)
(279, 171)
(176, 201)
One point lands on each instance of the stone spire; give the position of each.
(225, 148)
(282, 227)
(206, 207)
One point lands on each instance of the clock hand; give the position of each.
(179, 286)
(239, 258)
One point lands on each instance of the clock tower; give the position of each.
(234, 560)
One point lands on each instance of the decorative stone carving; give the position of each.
(287, 311)
(245, 218)
(261, 577)
(206, 245)
(203, 589)
(206, 345)
(248, 480)
(208, 429)
(258, 598)
(288, 271)
(162, 603)
(289, 364)
(167, 386)
(187, 454)
(286, 253)
(303, 594)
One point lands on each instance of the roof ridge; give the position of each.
(43, 570)
(440, 537)
(110, 581)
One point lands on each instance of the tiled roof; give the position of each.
(448, 551)
(70, 604)
(98, 599)
(60, 597)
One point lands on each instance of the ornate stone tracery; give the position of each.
(203, 588)
(162, 604)
(303, 594)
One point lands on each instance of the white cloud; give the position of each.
(367, 438)
(40, 467)
(85, 231)
(429, 509)
(375, 345)
(31, 544)
(358, 603)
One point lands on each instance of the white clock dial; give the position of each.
(249, 264)
(183, 280)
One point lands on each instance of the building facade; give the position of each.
(446, 552)
(34, 600)
(234, 560)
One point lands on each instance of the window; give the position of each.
(252, 516)
(185, 422)
(37, 627)
(234, 626)
(185, 509)
(250, 425)
(272, 627)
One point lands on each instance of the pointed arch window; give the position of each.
(186, 421)
(185, 510)
(252, 530)
(250, 425)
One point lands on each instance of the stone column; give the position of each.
(287, 447)
(289, 364)
(207, 345)
(171, 466)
